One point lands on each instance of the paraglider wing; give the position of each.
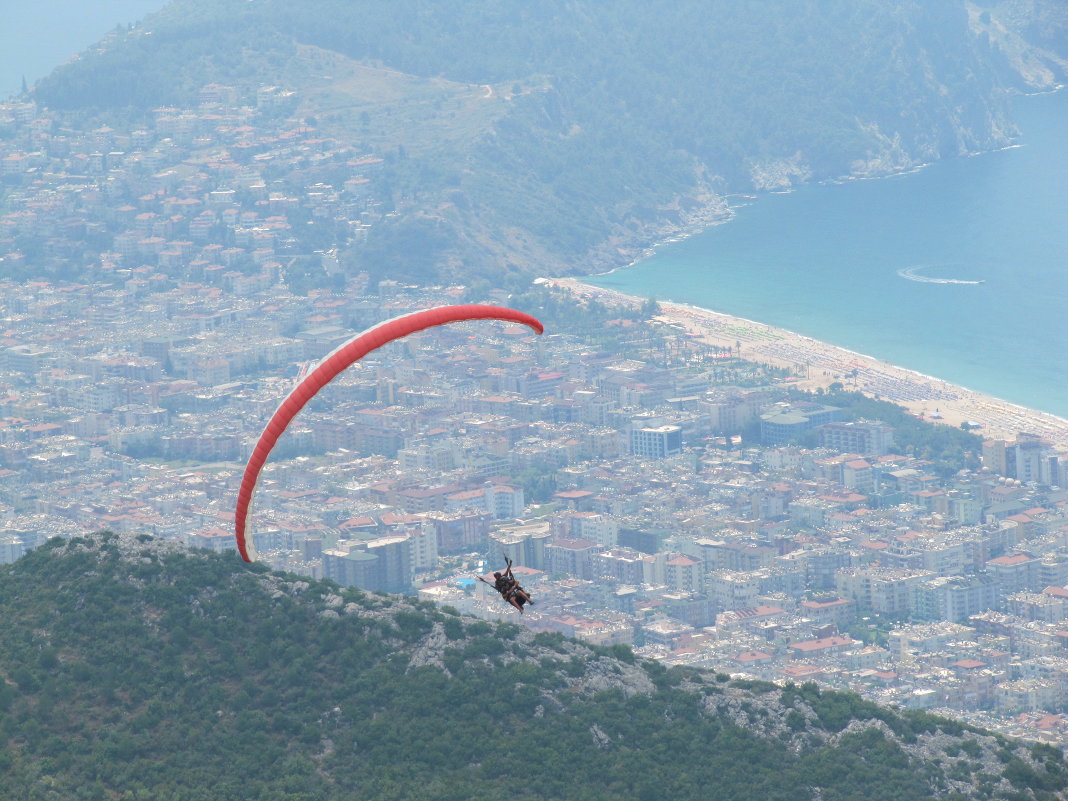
(345, 355)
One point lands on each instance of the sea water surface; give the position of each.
(958, 270)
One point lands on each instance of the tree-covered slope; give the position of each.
(1032, 35)
(597, 125)
(132, 669)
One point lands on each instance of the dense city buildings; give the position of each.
(182, 295)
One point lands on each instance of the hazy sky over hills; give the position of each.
(38, 36)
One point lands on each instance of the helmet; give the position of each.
(496, 575)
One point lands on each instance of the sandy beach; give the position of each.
(819, 364)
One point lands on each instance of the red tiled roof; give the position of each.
(825, 604)
(752, 656)
(801, 671)
(682, 560)
(1011, 559)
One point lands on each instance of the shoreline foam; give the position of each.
(822, 363)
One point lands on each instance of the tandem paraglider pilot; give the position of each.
(508, 586)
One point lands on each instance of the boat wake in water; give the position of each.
(911, 273)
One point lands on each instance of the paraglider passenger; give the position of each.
(508, 586)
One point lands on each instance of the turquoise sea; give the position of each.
(854, 264)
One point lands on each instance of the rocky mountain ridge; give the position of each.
(132, 667)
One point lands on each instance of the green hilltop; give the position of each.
(133, 669)
(562, 136)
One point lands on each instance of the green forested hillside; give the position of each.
(563, 135)
(132, 669)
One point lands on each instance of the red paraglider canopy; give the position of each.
(348, 353)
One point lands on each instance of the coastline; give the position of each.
(721, 208)
(820, 364)
(717, 211)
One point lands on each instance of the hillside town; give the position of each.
(186, 285)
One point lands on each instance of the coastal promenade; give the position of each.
(819, 364)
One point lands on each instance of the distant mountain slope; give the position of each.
(563, 135)
(1031, 34)
(130, 668)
